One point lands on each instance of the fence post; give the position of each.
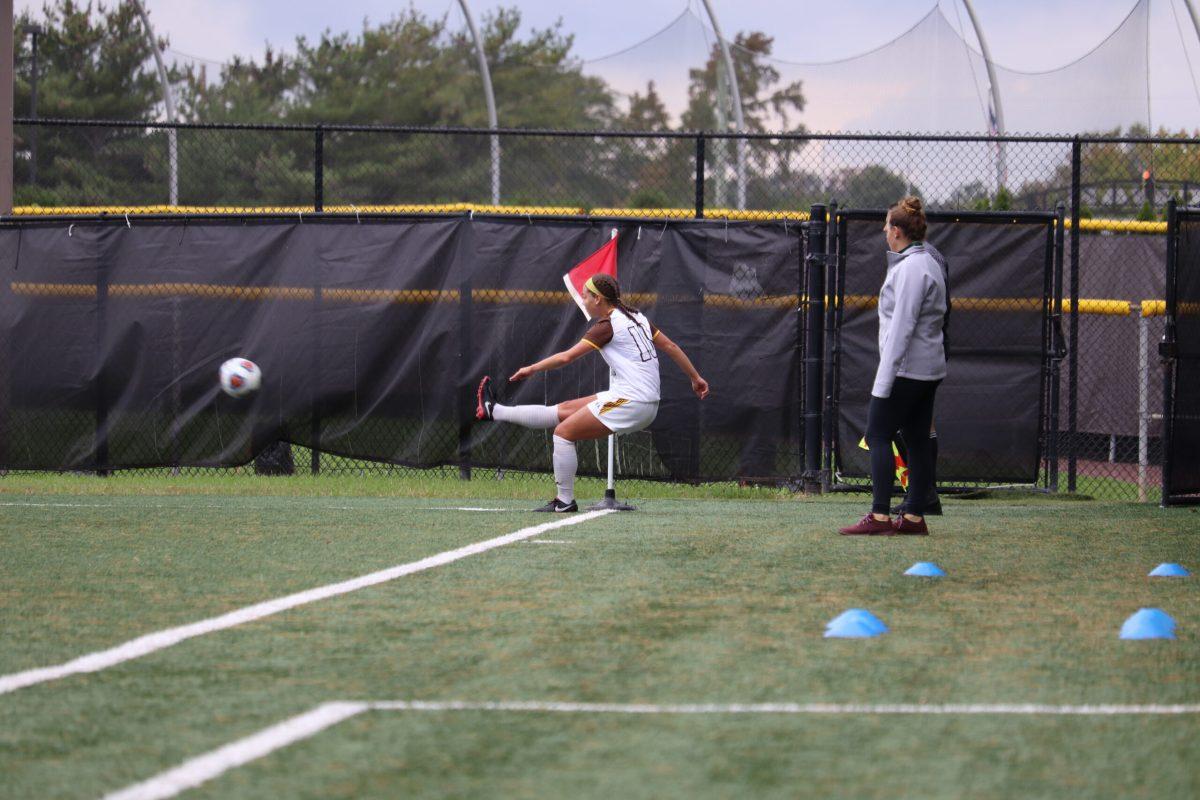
(833, 256)
(699, 177)
(319, 169)
(1143, 399)
(1167, 349)
(814, 346)
(102, 455)
(1073, 342)
(1056, 341)
(466, 397)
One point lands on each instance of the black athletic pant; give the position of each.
(909, 410)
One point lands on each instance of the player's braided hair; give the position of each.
(606, 286)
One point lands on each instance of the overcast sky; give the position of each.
(1030, 35)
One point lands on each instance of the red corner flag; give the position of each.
(603, 260)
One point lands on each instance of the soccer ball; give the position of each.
(240, 377)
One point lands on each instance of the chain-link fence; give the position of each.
(1114, 191)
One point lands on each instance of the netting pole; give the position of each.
(699, 177)
(1073, 355)
(814, 346)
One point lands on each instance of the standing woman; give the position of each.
(913, 307)
(628, 342)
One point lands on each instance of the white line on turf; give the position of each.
(151, 642)
(196, 771)
(204, 768)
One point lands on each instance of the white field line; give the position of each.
(196, 771)
(151, 642)
(204, 768)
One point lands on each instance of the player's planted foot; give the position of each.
(559, 507)
(904, 526)
(869, 526)
(485, 399)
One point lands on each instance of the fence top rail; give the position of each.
(306, 217)
(603, 133)
(986, 217)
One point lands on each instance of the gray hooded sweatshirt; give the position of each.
(912, 311)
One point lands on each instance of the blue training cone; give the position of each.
(1149, 623)
(1167, 570)
(925, 569)
(857, 623)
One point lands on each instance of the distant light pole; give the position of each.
(996, 118)
(34, 32)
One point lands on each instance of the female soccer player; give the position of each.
(627, 341)
(913, 304)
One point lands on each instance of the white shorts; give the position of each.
(621, 415)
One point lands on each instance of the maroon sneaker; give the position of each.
(869, 526)
(902, 526)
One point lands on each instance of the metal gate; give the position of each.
(997, 410)
(1180, 350)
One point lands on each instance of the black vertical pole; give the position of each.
(1167, 350)
(315, 378)
(466, 405)
(102, 454)
(1056, 341)
(833, 255)
(814, 347)
(1073, 342)
(319, 170)
(699, 177)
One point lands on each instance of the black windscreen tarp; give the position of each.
(372, 335)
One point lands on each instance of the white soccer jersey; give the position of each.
(627, 344)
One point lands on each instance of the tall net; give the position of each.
(930, 79)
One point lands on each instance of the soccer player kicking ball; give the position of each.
(627, 341)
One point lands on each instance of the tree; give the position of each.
(92, 64)
(873, 186)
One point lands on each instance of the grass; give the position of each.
(690, 600)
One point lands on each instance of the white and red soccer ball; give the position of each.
(240, 377)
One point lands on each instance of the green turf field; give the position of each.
(688, 601)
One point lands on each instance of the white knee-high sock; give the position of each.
(540, 417)
(565, 463)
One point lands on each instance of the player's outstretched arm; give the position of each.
(676, 354)
(560, 359)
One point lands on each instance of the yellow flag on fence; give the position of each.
(901, 467)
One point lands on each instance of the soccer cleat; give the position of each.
(485, 398)
(934, 509)
(869, 526)
(559, 507)
(906, 527)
